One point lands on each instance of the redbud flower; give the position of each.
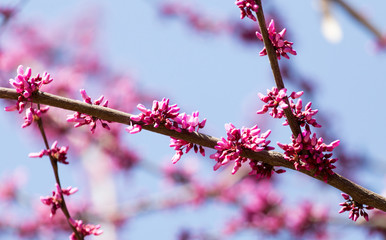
(356, 209)
(32, 114)
(168, 115)
(56, 200)
(84, 119)
(275, 99)
(303, 117)
(26, 86)
(246, 8)
(307, 152)
(281, 46)
(59, 153)
(230, 149)
(84, 229)
(179, 145)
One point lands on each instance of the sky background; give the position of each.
(220, 77)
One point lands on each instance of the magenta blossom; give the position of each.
(32, 114)
(275, 100)
(303, 117)
(83, 119)
(179, 145)
(246, 8)
(167, 115)
(356, 209)
(307, 152)
(230, 149)
(56, 200)
(59, 153)
(26, 85)
(84, 229)
(281, 46)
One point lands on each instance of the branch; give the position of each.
(360, 18)
(358, 193)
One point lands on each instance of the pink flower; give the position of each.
(26, 86)
(56, 200)
(83, 119)
(168, 115)
(179, 145)
(307, 152)
(356, 209)
(303, 117)
(281, 46)
(275, 100)
(230, 149)
(59, 153)
(246, 8)
(84, 229)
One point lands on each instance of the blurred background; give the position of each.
(202, 56)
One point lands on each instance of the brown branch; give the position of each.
(271, 52)
(360, 18)
(358, 193)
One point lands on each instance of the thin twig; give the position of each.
(54, 164)
(358, 193)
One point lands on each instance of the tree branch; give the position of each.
(358, 193)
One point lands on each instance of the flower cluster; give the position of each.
(281, 46)
(84, 229)
(83, 119)
(246, 8)
(307, 152)
(276, 98)
(26, 85)
(59, 153)
(168, 115)
(56, 200)
(305, 117)
(356, 209)
(230, 149)
(179, 145)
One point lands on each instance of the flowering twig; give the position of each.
(358, 193)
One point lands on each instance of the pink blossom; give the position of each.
(84, 229)
(246, 8)
(179, 145)
(230, 149)
(26, 85)
(32, 114)
(168, 115)
(281, 46)
(56, 200)
(275, 101)
(83, 119)
(356, 209)
(58, 153)
(303, 117)
(307, 152)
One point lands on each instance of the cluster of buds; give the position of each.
(247, 7)
(282, 47)
(179, 145)
(275, 100)
(305, 117)
(230, 149)
(84, 229)
(56, 200)
(26, 86)
(58, 153)
(83, 119)
(168, 115)
(356, 209)
(307, 152)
